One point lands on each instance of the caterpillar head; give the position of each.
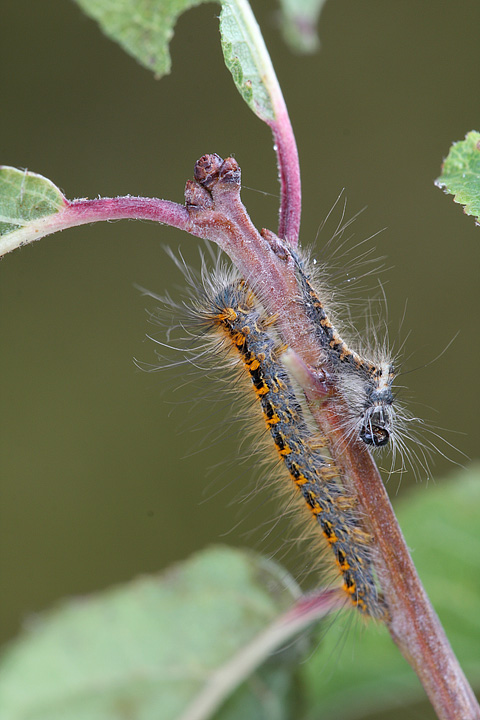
(376, 426)
(378, 414)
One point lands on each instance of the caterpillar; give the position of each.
(229, 311)
(365, 385)
(374, 414)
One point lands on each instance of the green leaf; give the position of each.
(247, 58)
(461, 174)
(144, 28)
(25, 197)
(145, 649)
(299, 24)
(359, 670)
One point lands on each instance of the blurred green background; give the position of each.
(109, 472)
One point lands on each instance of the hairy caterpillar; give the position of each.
(366, 386)
(365, 381)
(225, 308)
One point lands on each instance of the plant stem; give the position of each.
(229, 676)
(289, 176)
(414, 625)
(274, 112)
(81, 212)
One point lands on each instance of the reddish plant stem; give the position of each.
(80, 212)
(413, 624)
(223, 681)
(289, 175)
(274, 112)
